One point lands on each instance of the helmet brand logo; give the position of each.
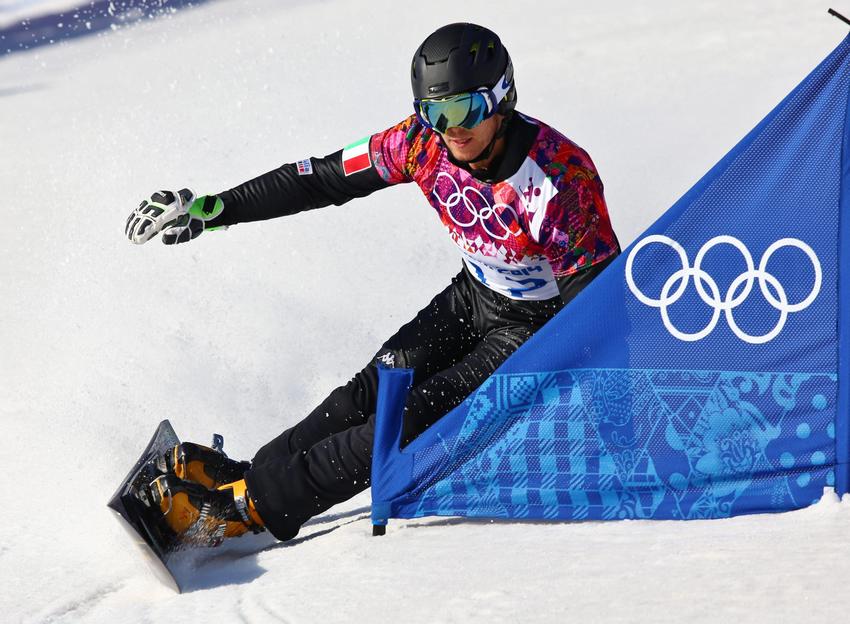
(438, 88)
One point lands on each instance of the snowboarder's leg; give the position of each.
(293, 487)
(437, 338)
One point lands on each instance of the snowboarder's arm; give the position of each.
(296, 187)
(375, 162)
(576, 233)
(573, 284)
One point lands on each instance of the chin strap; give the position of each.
(485, 153)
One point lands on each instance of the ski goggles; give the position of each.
(466, 110)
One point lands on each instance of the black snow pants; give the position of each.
(452, 345)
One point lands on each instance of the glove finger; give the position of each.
(132, 221)
(132, 216)
(176, 235)
(171, 236)
(187, 196)
(196, 226)
(182, 233)
(143, 228)
(152, 218)
(162, 197)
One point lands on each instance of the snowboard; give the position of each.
(139, 515)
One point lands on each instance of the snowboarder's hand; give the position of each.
(179, 216)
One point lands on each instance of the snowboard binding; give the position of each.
(207, 466)
(183, 495)
(198, 516)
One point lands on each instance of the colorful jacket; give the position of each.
(538, 216)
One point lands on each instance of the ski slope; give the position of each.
(242, 332)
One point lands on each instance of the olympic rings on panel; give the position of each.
(677, 283)
(472, 212)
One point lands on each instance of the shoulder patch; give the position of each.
(356, 157)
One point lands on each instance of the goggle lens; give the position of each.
(466, 110)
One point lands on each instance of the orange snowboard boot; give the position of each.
(199, 516)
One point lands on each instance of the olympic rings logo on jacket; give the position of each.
(473, 210)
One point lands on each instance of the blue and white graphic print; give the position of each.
(582, 444)
(701, 375)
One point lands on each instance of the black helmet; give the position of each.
(458, 58)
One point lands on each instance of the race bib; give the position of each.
(532, 280)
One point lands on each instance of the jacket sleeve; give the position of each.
(571, 285)
(320, 182)
(576, 232)
(294, 188)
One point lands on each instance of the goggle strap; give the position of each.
(500, 90)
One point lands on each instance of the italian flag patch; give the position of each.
(355, 157)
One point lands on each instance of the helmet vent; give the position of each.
(473, 52)
(439, 45)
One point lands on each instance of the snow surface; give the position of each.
(243, 332)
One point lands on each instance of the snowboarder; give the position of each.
(524, 205)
